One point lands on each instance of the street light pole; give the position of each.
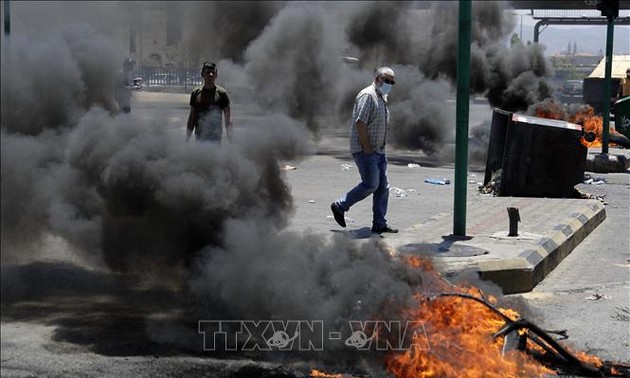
(607, 86)
(6, 95)
(461, 117)
(7, 18)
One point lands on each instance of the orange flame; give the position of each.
(590, 123)
(320, 374)
(585, 116)
(459, 333)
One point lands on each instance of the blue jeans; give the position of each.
(373, 171)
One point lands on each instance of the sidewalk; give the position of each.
(548, 232)
(549, 229)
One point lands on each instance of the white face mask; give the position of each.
(386, 88)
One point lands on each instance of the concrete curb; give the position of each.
(518, 264)
(523, 273)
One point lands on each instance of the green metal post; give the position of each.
(6, 94)
(461, 131)
(608, 73)
(7, 18)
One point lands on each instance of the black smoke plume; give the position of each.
(130, 194)
(224, 29)
(122, 190)
(294, 65)
(420, 113)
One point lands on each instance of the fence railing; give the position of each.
(167, 76)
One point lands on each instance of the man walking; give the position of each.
(368, 134)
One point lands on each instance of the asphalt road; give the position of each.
(96, 327)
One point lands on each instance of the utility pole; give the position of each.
(6, 96)
(607, 84)
(609, 9)
(7, 18)
(461, 118)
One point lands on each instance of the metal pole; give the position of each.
(461, 120)
(608, 74)
(7, 18)
(537, 30)
(6, 97)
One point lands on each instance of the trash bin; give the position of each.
(539, 157)
(496, 143)
(622, 116)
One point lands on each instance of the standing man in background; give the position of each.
(624, 86)
(368, 134)
(208, 105)
(123, 90)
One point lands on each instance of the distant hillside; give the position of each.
(588, 39)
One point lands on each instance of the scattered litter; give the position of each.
(595, 182)
(411, 190)
(492, 186)
(597, 296)
(288, 168)
(584, 195)
(397, 191)
(473, 182)
(311, 201)
(437, 181)
(590, 180)
(490, 189)
(346, 167)
(413, 165)
(472, 175)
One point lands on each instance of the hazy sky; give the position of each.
(590, 39)
(528, 20)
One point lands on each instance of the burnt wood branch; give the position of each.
(542, 338)
(517, 325)
(615, 369)
(576, 366)
(482, 295)
(477, 299)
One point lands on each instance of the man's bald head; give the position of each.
(384, 75)
(384, 71)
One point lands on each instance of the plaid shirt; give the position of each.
(370, 107)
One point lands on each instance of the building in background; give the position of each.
(150, 32)
(573, 66)
(155, 34)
